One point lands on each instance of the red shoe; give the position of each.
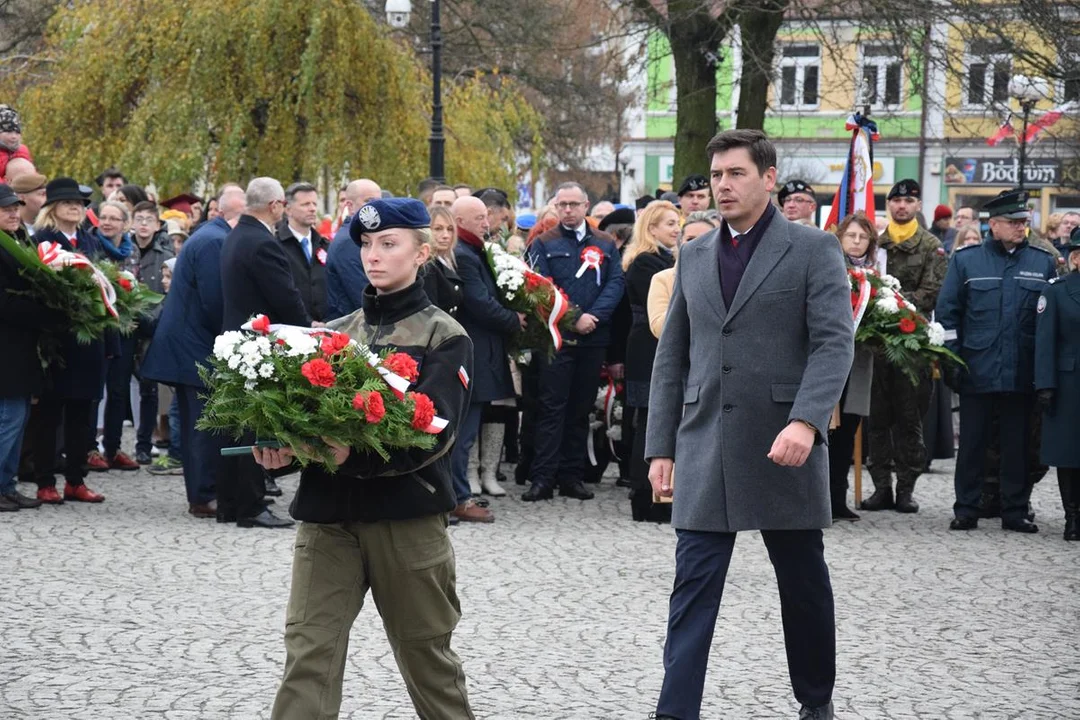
(49, 496)
(120, 461)
(81, 493)
(96, 463)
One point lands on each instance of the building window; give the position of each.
(882, 77)
(989, 69)
(800, 68)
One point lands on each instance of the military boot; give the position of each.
(1069, 485)
(882, 499)
(905, 503)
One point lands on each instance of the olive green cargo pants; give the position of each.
(409, 567)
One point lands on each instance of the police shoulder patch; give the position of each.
(1042, 304)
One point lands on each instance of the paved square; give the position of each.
(133, 609)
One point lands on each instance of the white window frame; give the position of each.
(881, 65)
(800, 64)
(991, 60)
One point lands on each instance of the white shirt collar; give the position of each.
(298, 235)
(581, 230)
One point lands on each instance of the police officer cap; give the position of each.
(1010, 204)
(693, 183)
(905, 188)
(791, 187)
(622, 216)
(1074, 239)
(379, 215)
(525, 222)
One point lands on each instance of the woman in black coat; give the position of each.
(79, 382)
(650, 251)
(441, 281)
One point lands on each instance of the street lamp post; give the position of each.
(1028, 91)
(397, 15)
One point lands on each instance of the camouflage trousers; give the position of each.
(894, 429)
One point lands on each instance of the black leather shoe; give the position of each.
(1020, 525)
(882, 499)
(538, 492)
(823, 712)
(576, 490)
(905, 503)
(845, 513)
(272, 488)
(964, 523)
(22, 502)
(226, 517)
(265, 519)
(623, 482)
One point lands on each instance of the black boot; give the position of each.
(1069, 485)
(882, 499)
(905, 503)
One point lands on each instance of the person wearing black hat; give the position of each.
(988, 307)
(376, 523)
(797, 201)
(22, 320)
(78, 381)
(643, 202)
(694, 195)
(895, 429)
(255, 280)
(1057, 345)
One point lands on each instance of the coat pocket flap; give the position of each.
(784, 392)
(691, 394)
(1067, 364)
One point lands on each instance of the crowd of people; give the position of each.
(526, 409)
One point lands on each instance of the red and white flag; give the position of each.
(463, 376)
(1004, 132)
(1048, 118)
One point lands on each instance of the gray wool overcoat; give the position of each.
(726, 381)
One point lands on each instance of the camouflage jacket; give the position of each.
(1037, 240)
(919, 263)
(411, 483)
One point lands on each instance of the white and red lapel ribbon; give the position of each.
(591, 257)
(56, 257)
(864, 299)
(398, 384)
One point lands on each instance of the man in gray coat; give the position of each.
(753, 358)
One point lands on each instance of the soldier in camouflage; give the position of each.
(917, 259)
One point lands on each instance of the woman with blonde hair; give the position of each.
(966, 235)
(650, 250)
(697, 224)
(441, 280)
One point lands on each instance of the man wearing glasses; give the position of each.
(988, 307)
(585, 264)
(797, 201)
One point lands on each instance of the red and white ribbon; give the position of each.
(558, 310)
(55, 256)
(398, 385)
(864, 300)
(591, 257)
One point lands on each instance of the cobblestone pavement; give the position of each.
(133, 609)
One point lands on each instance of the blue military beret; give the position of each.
(526, 222)
(379, 215)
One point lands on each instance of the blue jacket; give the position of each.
(192, 313)
(1057, 368)
(488, 323)
(987, 307)
(345, 278)
(557, 254)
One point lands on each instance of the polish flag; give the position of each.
(1004, 132)
(1048, 119)
(463, 376)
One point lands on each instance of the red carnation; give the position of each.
(533, 281)
(319, 373)
(125, 283)
(261, 324)
(371, 404)
(423, 410)
(402, 365)
(334, 343)
(907, 325)
(873, 291)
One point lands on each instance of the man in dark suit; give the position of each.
(752, 360)
(255, 279)
(184, 339)
(306, 249)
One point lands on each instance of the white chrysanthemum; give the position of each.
(616, 412)
(266, 370)
(890, 281)
(509, 296)
(234, 362)
(249, 385)
(299, 344)
(615, 432)
(249, 348)
(935, 333)
(888, 304)
(601, 396)
(225, 344)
